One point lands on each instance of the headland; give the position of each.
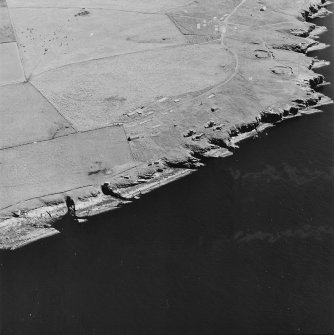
(105, 101)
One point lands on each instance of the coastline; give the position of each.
(33, 222)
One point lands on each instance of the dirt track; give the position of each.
(130, 93)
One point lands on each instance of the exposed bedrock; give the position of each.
(271, 116)
(304, 31)
(189, 162)
(136, 115)
(313, 7)
(310, 81)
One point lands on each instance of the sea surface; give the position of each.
(244, 245)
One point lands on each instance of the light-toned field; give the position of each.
(61, 164)
(6, 29)
(148, 6)
(53, 37)
(29, 116)
(98, 93)
(133, 93)
(11, 70)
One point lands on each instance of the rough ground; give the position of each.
(132, 94)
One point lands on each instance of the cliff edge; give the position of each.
(104, 101)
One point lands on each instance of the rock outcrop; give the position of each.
(266, 77)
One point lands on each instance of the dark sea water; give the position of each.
(245, 245)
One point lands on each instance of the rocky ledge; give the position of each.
(269, 79)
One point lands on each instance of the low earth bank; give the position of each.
(269, 78)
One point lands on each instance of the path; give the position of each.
(40, 132)
(90, 95)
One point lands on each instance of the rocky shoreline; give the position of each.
(271, 70)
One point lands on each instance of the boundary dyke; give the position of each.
(30, 224)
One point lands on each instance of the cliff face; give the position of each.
(270, 79)
(260, 74)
